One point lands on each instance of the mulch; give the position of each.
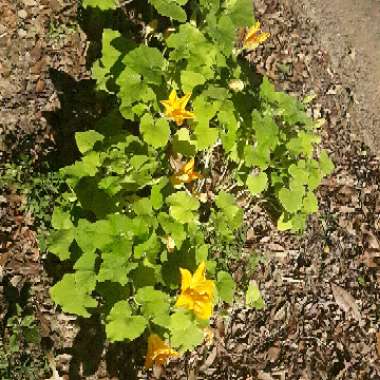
(321, 289)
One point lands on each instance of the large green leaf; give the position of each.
(257, 183)
(191, 79)
(226, 286)
(154, 304)
(291, 199)
(182, 207)
(241, 12)
(115, 264)
(122, 325)
(185, 334)
(154, 133)
(205, 136)
(59, 243)
(170, 8)
(72, 296)
(231, 211)
(61, 220)
(87, 140)
(148, 62)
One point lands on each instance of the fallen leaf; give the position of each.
(371, 258)
(346, 302)
(273, 353)
(264, 376)
(378, 343)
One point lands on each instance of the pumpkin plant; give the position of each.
(134, 222)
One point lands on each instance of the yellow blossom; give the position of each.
(197, 293)
(158, 351)
(254, 37)
(185, 174)
(175, 108)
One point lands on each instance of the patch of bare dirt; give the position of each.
(350, 31)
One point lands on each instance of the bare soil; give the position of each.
(350, 31)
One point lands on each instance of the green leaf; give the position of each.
(59, 243)
(257, 156)
(283, 225)
(226, 286)
(201, 254)
(183, 144)
(191, 79)
(143, 276)
(253, 296)
(148, 62)
(205, 135)
(315, 178)
(241, 12)
(155, 134)
(87, 140)
(170, 8)
(185, 334)
(185, 41)
(266, 130)
(149, 248)
(122, 325)
(132, 89)
(115, 264)
(92, 236)
(174, 229)
(103, 5)
(61, 220)
(303, 143)
(142, 206)
(291, 199)
(310, 203)
(156, 196)
(327, 166)
(85, 276)
(87, 167)
(182, 207)
(299, 173)
(154, 304)
(104, 68)
(222, 30)
(72, 297)
(233, 213)
(257, 183)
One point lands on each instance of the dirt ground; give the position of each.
(322, 290)
(350, 31)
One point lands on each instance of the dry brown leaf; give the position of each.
(371, 258)
(274, 353)
(346, 302)
(378, 343)
(264, 376)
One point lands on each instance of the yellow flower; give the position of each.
(158, 351)
(254, 37)
(197, 293)
(185, 174)
(175, 108)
